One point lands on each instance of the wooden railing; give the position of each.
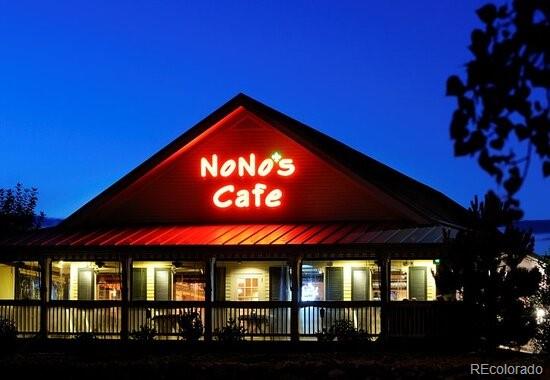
(163, 316)
(419, 319)
(262, 320)
(71, 318)
(25, 314)
(316, 316)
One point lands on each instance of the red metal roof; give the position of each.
(238, 234)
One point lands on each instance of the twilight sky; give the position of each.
(90, 89)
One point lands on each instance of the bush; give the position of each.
(542, 339)
(191, 327)
(86, 344)
(326, 335)
(144, 334)
(85, 338)
(230, 333)
(343, 331)
(8, 336)
(8, 330)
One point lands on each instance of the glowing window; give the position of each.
(248, 289)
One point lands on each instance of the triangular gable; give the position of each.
(237, 166)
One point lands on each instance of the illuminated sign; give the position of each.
(227, 195)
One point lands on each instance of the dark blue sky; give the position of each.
(88, 90)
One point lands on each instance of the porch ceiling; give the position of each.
(234, 235)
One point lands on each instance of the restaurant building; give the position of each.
(252, 216)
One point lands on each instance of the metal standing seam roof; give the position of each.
(232, 235)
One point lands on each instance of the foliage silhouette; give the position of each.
(17, 210)
(542, 340)
(231, 332)
(503, 104)
(342, 330)
(482, 264)
(8, 330)
(145, 334)
(191, 326)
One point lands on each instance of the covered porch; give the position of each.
(275, 292)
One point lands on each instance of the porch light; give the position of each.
(540, 315)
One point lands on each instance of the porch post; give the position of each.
(295, 303)
(127, 264)
(45, 272)
(208, 297)
(385, 268)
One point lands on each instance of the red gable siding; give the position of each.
(175, 192)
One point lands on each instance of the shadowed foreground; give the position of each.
(238, 363)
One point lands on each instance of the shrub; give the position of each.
(230, 333)
(144, 334)
(8, 336)
(343, 331)
(8, 329)
(542, 339)
(191, 327)
(85, 337)
(325, 335)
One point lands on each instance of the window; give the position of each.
(27, 282)
(61, 280)
(108, 286)
(248, 289)
(313, 288)
(189, 285)
(398, 284)
(398, 289)
(86, 280)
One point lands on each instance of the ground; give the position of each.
(243, 363)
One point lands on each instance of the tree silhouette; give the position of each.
(17, 210)
(502, 115)
(482, 262)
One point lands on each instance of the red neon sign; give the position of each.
(259, 195)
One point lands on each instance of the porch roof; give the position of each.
(233, 234)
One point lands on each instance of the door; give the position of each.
(278, 284)
(417, 283)
(139, 284)
(360, 284)
(162, 284)
(85, 284)
(334, 290)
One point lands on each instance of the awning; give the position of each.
(233, 235)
